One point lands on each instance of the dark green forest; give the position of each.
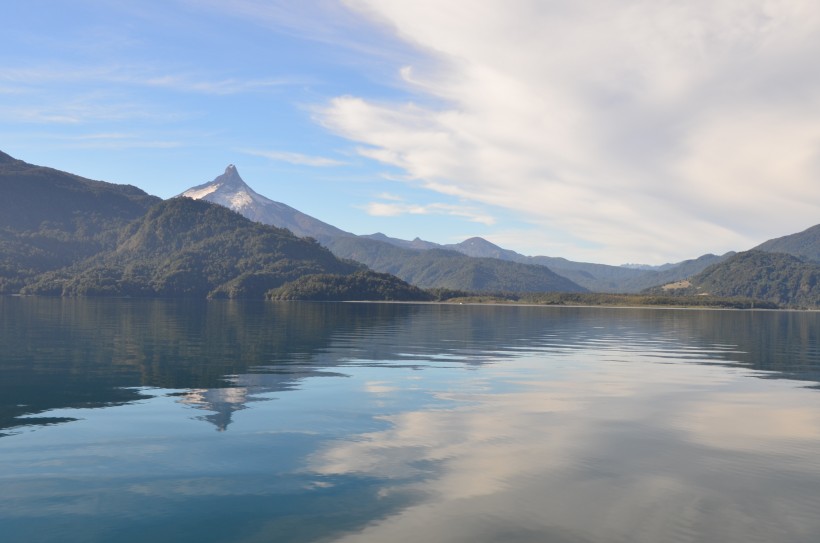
(362, 285)
(778, 278)
(51, 219)
(191, 248)
(805, 244)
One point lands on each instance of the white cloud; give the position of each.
(295, 158)
(656, 131)
(395, 209)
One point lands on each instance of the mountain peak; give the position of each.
(478, 241)
(230, 177)
(227, 189)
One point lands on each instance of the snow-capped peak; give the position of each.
(230, 177)
(229, 190)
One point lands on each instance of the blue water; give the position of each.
(125, 420)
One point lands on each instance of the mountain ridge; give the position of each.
(594, 277)
(231, 191)
(61, 234)
(443, 268)
(64, 234)
(802, 244)
(411, 261)
(780, 278)
(50, 219)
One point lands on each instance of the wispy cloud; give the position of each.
(395, 209)
(101, 140)
(326, 21)
(140, 76)
(7, 89)
(218, 87)
(389, 196)
(89, 108)
(655, 130)
(117, 141)
(295, 158)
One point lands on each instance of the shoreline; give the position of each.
(723, 304)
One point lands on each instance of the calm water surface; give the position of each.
(235, 422)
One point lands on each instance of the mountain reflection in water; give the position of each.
(390, 422)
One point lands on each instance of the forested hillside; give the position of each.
(61, 234)
(804, 244)
(362, 285)
(50, 219)
(191, 248)
(438, 268)
(773, 277)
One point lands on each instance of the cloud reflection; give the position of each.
(627, 452)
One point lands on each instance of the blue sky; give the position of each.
(599, 131)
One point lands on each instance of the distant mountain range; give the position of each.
(760, 274)
(418, 262)
(428, 264)
(61, 234)
(594, 277)
(440, 268)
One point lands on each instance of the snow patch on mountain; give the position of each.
(239, 200)
(201, 193)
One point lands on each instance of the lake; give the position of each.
(146, 420)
